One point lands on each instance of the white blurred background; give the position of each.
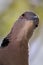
(10, 11)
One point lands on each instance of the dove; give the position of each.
(14, 47)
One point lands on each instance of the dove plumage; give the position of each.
(14, 48)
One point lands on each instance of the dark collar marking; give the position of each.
(5, 42)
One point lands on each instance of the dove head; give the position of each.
(31, 16)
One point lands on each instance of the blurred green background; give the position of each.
(11, 14)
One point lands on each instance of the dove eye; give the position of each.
(23, 15)
(5, 42)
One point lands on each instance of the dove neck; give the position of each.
(21, 31)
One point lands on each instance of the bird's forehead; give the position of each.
(29, 14)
